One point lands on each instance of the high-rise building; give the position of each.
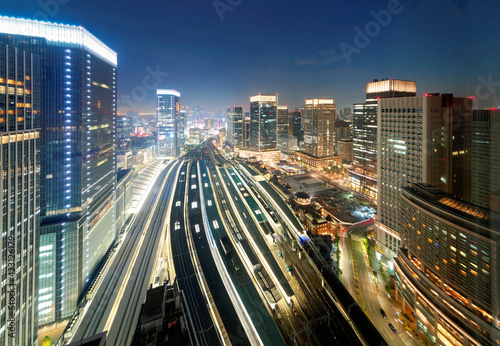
(182, 131)
(296, 128)
(420, 139)
(282, 120)
(363, 177)
(342, 131)
(287, 143)
(198, 113)
(263, 111)
(319, 133)
(346, 115)
(19, 219)
(78, 157)
(485, 155)
(235, 126)
(345, 150)
(447, 276)
(168, 119)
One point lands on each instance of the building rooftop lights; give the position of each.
(168, 92)
(53, 32)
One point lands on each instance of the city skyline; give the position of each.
(215, 52)
(315, 196)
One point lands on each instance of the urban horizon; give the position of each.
(238, 173)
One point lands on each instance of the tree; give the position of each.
(47, 341)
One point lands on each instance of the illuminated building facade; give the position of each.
(364, 177)
(264, 156)
(19, 182)
(263, 111)
(485, 155)
(235, 126)
(77, 157)
(168, 115)
(287, 144)
(315, 163)
(448, 275)
(420, 139)
(319, 133)
(182, 131)
(345, 150)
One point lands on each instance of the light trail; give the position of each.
(111, 318)
(252, 241)
(231, 290)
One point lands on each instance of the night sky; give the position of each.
(290, 47)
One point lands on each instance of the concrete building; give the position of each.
(195, 135)
(287, 143)
(124, 160)
(420, 139)
(222, 136)
(165, 319)
(448, 274)
(342, 131)
(315, 163)
(345, 150)
(485, 155)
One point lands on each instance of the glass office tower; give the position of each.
(263, 126)
(78, 151)
(235, 126)
(168, 119)
(19, 184)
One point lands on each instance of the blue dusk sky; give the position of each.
(219, 53)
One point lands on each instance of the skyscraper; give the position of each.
(420, 139)
(168, 118)
(282, 120)
(342, 131)
(485, 155)
(263, 111)
(296, 128)
(363, 177)
(448, 273)
(19, 182)
(181, 131)
(319, 133)
(78, 157)
(235, 126)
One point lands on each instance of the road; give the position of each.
(117, 300)
(374, 300)
(347, 275)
